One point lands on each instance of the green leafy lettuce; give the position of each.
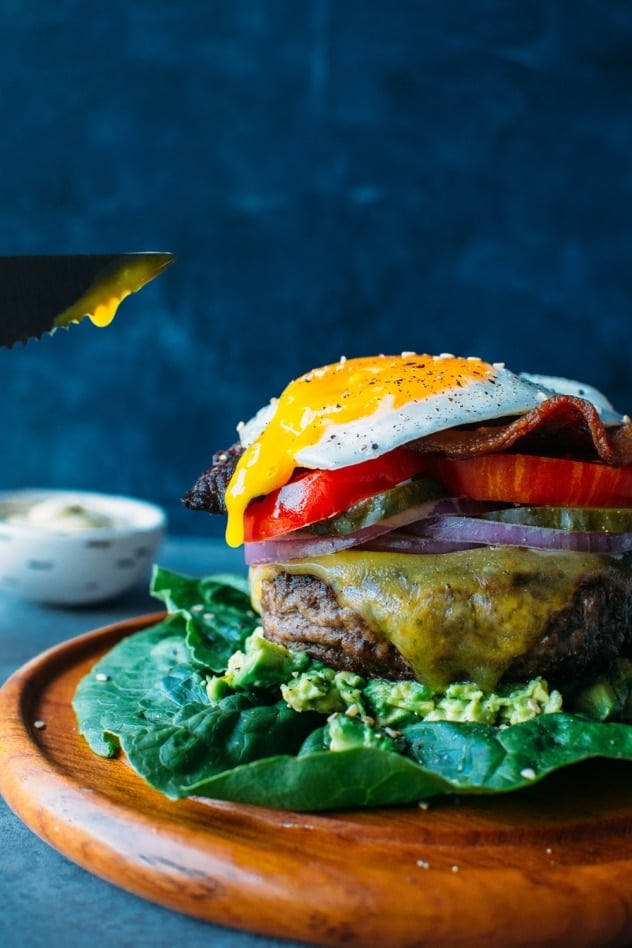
(201, 705)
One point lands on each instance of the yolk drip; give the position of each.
(99, 305)
(336, 394)
(101, 301)
(104, 312)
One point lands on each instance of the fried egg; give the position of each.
(357, 409)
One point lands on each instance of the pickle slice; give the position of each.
(379, 507)
(572, 519)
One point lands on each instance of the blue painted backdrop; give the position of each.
(336, 177)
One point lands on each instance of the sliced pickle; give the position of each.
(577, 519)
(379, 507)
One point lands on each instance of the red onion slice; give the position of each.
(458, 529)
(302, 543)
(440, 526)
(402, 541)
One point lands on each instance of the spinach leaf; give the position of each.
(217, 611)
(480, 758)
(362, 776)
(132, 682)
(146, 698)
(446, 758)
(202, 741)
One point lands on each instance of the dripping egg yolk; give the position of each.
(365, 402)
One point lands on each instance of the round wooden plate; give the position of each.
(549, 866)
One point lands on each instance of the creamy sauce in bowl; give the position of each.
(63, 517)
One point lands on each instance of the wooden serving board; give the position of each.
(548, 866)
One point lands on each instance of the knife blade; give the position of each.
(39, 294)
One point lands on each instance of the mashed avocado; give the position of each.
(398, 704)
(363, 711)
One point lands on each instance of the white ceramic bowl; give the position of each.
(49, 562)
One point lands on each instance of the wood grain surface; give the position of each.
(549, 866)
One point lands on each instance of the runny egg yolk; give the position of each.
(98, 305)
(344, 392)
(101, 301)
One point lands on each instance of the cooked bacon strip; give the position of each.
(563, 424)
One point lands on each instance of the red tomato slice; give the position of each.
(311, 496)
(526, 479)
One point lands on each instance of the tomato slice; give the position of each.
(315, 495)
(527, 479)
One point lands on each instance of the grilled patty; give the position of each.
(591, 627)
(302, 612)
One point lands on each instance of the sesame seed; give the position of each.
(40, 725)
(423, 864)
(528, 773)
(392, 732)
(101, 676)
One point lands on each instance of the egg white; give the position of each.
(504, 394)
